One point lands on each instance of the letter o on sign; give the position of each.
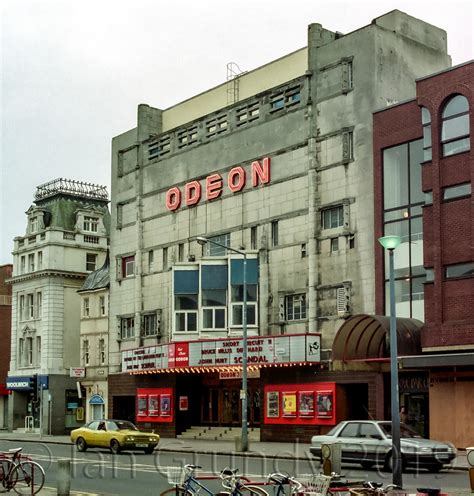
(236, 179)
(173, 198)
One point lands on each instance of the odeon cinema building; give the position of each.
(276, 164)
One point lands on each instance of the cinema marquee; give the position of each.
(236, 180)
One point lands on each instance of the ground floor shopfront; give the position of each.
(50, 404)
(291, 393)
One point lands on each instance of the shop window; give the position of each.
(127, 327)
(455, 126)
(91, 262)
(295, 307)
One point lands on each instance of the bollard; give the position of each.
(63, 477)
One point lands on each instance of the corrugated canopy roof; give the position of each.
(364, 337)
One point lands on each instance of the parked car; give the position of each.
(117, 435)
(369, 442)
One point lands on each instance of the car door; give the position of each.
(102, 435)
(348, 438)
(371, 442)
(91, 435)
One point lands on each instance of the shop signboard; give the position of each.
(261, 350)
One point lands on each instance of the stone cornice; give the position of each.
(47, 273)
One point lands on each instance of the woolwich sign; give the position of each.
(214, 184)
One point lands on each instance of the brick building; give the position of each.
(424, 170)
(277, 163)
(5, 336)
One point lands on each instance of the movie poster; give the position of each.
(153, 405)
(306, 404)
(273, 404)
(165, 405)
(325, 403)
(289, 403)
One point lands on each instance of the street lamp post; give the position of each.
(390, 243)
(244, 392)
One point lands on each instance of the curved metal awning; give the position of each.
(364, 337)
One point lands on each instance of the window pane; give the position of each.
(237, 314)
(398, 229)
(180, 319)
(214, 297)
(457, 146)
(192, 321)
(251, 315)
(237, 292)
(460, 270)
(457, 126)
(455, 106)
(207, 318)
(186, 302)
(395, 174)
(220, 318)
(425, 115)
(457, 191)
(416, 157)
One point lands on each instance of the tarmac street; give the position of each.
(223, 449)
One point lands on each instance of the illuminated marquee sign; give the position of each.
(236, 180)
(261, 350)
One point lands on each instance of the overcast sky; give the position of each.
(73, 72)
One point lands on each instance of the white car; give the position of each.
(369, 442)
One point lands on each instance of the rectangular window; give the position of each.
(29, 352)
(21, 352)
(127, 327)
(103, 309)
(303, 250)
(151, 261)
(91, 262)
(295, 307)
(333, 217)
(275, 233)
(237, 296)
(186, 312)
(334, 244)
(22, 264)
(39, 304)
(216, 250)
(31, 262)
(460, 270)
(128, 266)
(214, 308)
(165, 258)
(40, 260)
(150, 324)
(33, 224)
(181, 252)
(85, 352)
(38, 350)
(459, 191)
(85, 307)
(31, 306)
(102, 351)
(91, 224)
(21, 307)
(253, 238)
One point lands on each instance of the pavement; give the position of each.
(269, 450)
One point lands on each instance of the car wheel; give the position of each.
(149, 451)
(115, 447)
(81, 444)
(367, 465)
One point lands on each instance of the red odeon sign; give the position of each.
(236, 179)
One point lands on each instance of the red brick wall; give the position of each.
(5, 322)
(448, 226)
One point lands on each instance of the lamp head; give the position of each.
(201, 240)
(390, 242)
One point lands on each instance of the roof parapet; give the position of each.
(71, 187)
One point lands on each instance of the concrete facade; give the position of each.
(66, 238)
(311, 224)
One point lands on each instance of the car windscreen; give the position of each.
(405, 431)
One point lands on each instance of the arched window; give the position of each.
(426, 122)
(455, 126)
